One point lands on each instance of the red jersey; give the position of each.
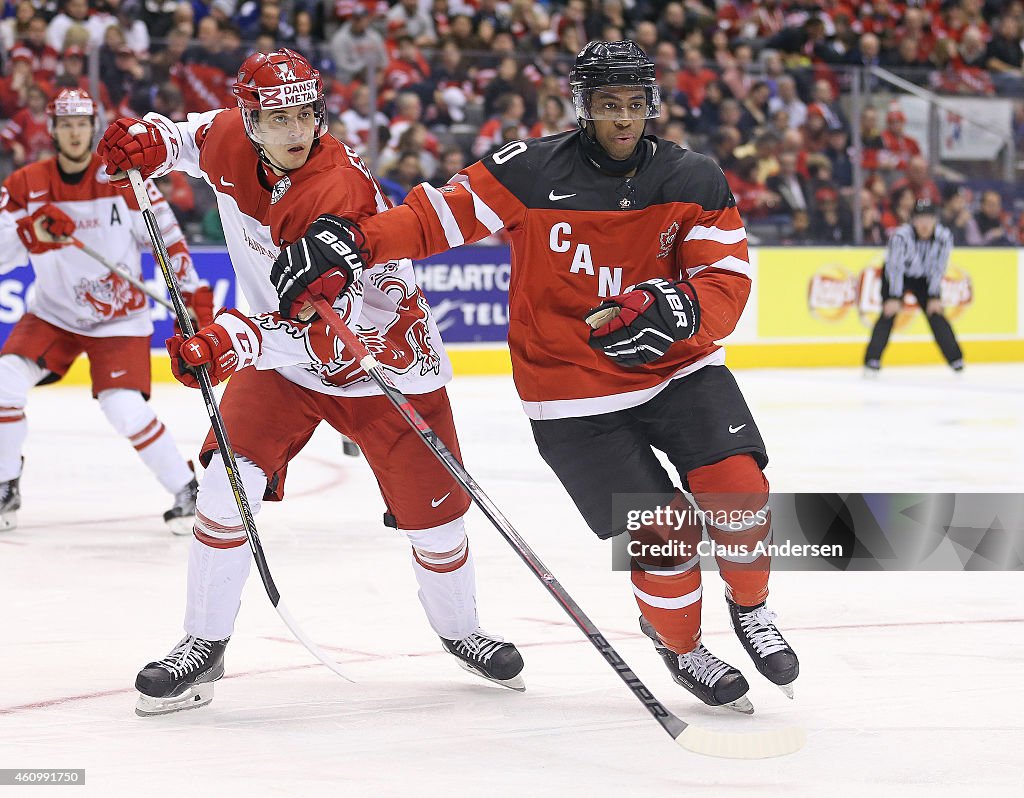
(579, 236)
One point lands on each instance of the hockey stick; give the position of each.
(134, 281)
(751, 745)
(217, 422)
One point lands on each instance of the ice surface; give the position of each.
(911, 684)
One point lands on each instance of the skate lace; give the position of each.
(759, 629)
(480, 645)
(704, 665)
(189, 654)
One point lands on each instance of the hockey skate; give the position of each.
(489, 656)
(181, 680)
(772, 655)
(10, 503)
(713, 681)
(182, 514)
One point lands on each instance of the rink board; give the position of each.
(810, 307)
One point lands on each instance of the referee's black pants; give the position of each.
(941, 328)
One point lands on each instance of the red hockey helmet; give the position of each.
(70, 102)
(281, 79)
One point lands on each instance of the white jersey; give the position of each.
(72, 290)
(261, 213)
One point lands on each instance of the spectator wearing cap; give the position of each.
(897, 147)
(15, 86)
(788, 100)
(837, 150)
(72, 64)
(916, 260)
(831, 220)
(357, 48)
(993, 223)
(26, 135)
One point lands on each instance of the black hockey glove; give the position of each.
(639, 326)
(323, 264)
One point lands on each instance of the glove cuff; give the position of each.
(245, 337)
(172, 142)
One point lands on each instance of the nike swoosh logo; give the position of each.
(556, 197)
(36, 194)
(734, 430)
(436, 502)
(225, 183)
(115, 374)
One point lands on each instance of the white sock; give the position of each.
(132, 417)
(219, 557)
(448, 596)
(17, 376)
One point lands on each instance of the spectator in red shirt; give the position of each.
(919, 180)
(694, 77)
(27, 134)
(898, 147)
(14, 87)
(407, 70)
(510, 108)
(44, 57)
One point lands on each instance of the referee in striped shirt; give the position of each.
(915, 261)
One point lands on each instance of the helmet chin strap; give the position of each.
(600, 157)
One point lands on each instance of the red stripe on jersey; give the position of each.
(215, 543)
(150, 440)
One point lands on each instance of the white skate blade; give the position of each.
(8, 521)
(787, 690)
(741, 704)
(515, 683)
(181, 526)
(198, 695)
(749, 745)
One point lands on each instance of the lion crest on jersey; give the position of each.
(108, 297)
(667, 239)
(400, 346)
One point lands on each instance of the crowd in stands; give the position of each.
(423, 87)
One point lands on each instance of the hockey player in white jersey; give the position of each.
(78, 305)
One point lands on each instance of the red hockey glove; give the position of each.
(131, 143)
(200, 306)
(230, 344)
(323, 264)
(639, 326)
(44, 229)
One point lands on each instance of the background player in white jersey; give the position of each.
(605, 212)
(275, 170)
(77, 305)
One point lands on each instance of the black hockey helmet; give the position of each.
(612, 64)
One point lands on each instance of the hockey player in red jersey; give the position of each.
(607, 213)
(275, 171)
(78, 305)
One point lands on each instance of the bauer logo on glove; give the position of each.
(639, 326)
